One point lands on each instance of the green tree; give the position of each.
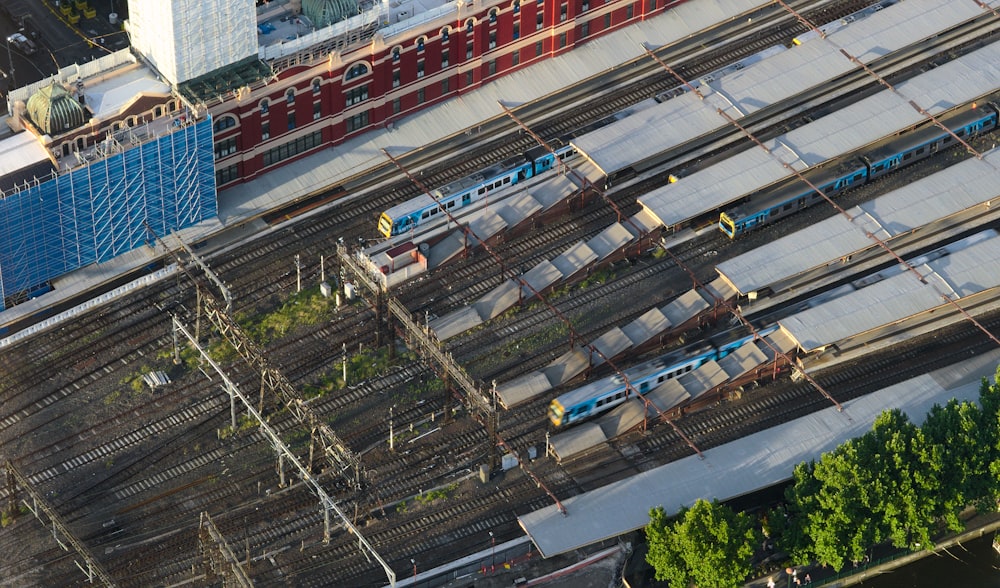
(708, 545)
(793, 536)
(958, 433)
(906, 469)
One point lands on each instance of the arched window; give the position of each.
(395, 53)
(445, 33)
(171, 106)
(493, 15)
(158, 111)
(356, 70)
(517, 6)
(420, 43)
(290, 96)
(470, 25)
(316, 85)
(265, 106)
(224, 122)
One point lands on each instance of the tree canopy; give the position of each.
(898, 483)
(708, 545)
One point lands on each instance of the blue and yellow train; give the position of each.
(410, 214)
(787, 197)
(604, 394)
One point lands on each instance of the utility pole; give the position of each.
(298, 274)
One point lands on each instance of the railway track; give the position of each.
(175, 488)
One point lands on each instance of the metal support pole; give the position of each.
(312, 447)
(197, 316)
(232, 405)
(391, 436)
(298, 274)
(326, 527)
(177, 346)
(281, 470)
(345, 364)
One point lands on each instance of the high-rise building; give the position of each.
(184, 39)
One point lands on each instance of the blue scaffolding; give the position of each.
(99, 211)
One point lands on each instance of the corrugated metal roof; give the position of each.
(767, 82)
(847, 129)
(748, 464)
(330, 166)
(960, 274)
(938, 196)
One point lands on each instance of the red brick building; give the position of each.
(332, 91)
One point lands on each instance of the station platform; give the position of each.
(676, 316)
(239, 205)
(749, 360)
(752, 463)
(578, 258)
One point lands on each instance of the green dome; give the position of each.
(324, 13)
(54, 111)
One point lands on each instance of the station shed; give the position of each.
(677, 315)
(578, 258)
(894, 305)
(749, 464)
(953, 200)
(748, 363)
(846, 131)
(650, 137)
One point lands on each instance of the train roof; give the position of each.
(589, 389)
(964, 272)
(411, 205)
(939, 196)
(642, 136)
(843, 131)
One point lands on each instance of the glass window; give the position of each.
(291, 120)
(358, 69)
(265, 130)
(224, 122)
(316, 86)
(265, 106)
